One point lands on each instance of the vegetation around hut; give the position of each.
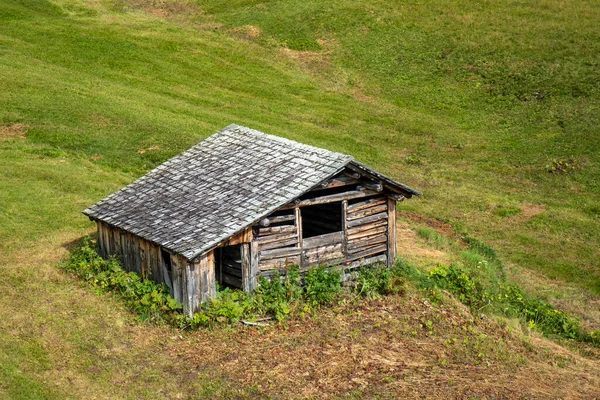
(491, 109)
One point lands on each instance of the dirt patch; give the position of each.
(162, 8)
(315, 62)
(13, 131)
(408, 245)
(396, 347)
(529, 210)
(246, 32)
(439, 226)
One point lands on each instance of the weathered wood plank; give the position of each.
(192, 289)
(176, 279)
(276, 229)
(352, 208)
(371, 241)
(254, 253)
(367, 211)
(324, 249)
(275, 238)
(391, 259)
(246, 276)
(207, 275)
(368, 235)
(143, 249)
(366, 261)
(278, 244)
(332, 198)
(345, 226)
(339, 181)
(265, 222)
(154, 263)
(354, 232)
(322, 240)
(278, 263)
(368, 219)
(369, 252)
(279, 253)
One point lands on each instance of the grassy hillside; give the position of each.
(491, 109)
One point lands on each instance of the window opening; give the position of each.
(321, 219)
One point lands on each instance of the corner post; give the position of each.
(391, 244)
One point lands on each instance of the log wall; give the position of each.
(367, 236)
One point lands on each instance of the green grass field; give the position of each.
(492, 109)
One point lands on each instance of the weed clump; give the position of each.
(497, 296)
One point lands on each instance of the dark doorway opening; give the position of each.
(228, 266)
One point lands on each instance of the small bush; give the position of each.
(278, 297)
(378, 280)
(322, 285)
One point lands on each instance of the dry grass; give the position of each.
(411, 247)
(13, 131)
(398, 347)
(246, 32)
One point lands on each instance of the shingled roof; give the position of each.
(197, 199)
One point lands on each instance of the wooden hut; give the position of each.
(241, 204)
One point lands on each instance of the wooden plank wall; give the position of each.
(136, 254)
(192, 283)
(277, 243)
(368, 233)
(367, 228)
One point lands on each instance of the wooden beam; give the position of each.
(253, 272)
(275, 245)
(368, 211)
(375, 186)
(367, 220)
(396, 196)
(265, 222)
(337, 182)
(368, 252)
(276, 229)
(354, 232)
(322, 240)
(332, 198)
(246, 270)
(345, 226)
(391, 259)
(263, 240)
(352, 208)
(279, 253)
(352, 174)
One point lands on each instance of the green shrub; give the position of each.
(378, 280)
(322, 285)
(277, 297)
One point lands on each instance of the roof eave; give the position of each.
(388, 182)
